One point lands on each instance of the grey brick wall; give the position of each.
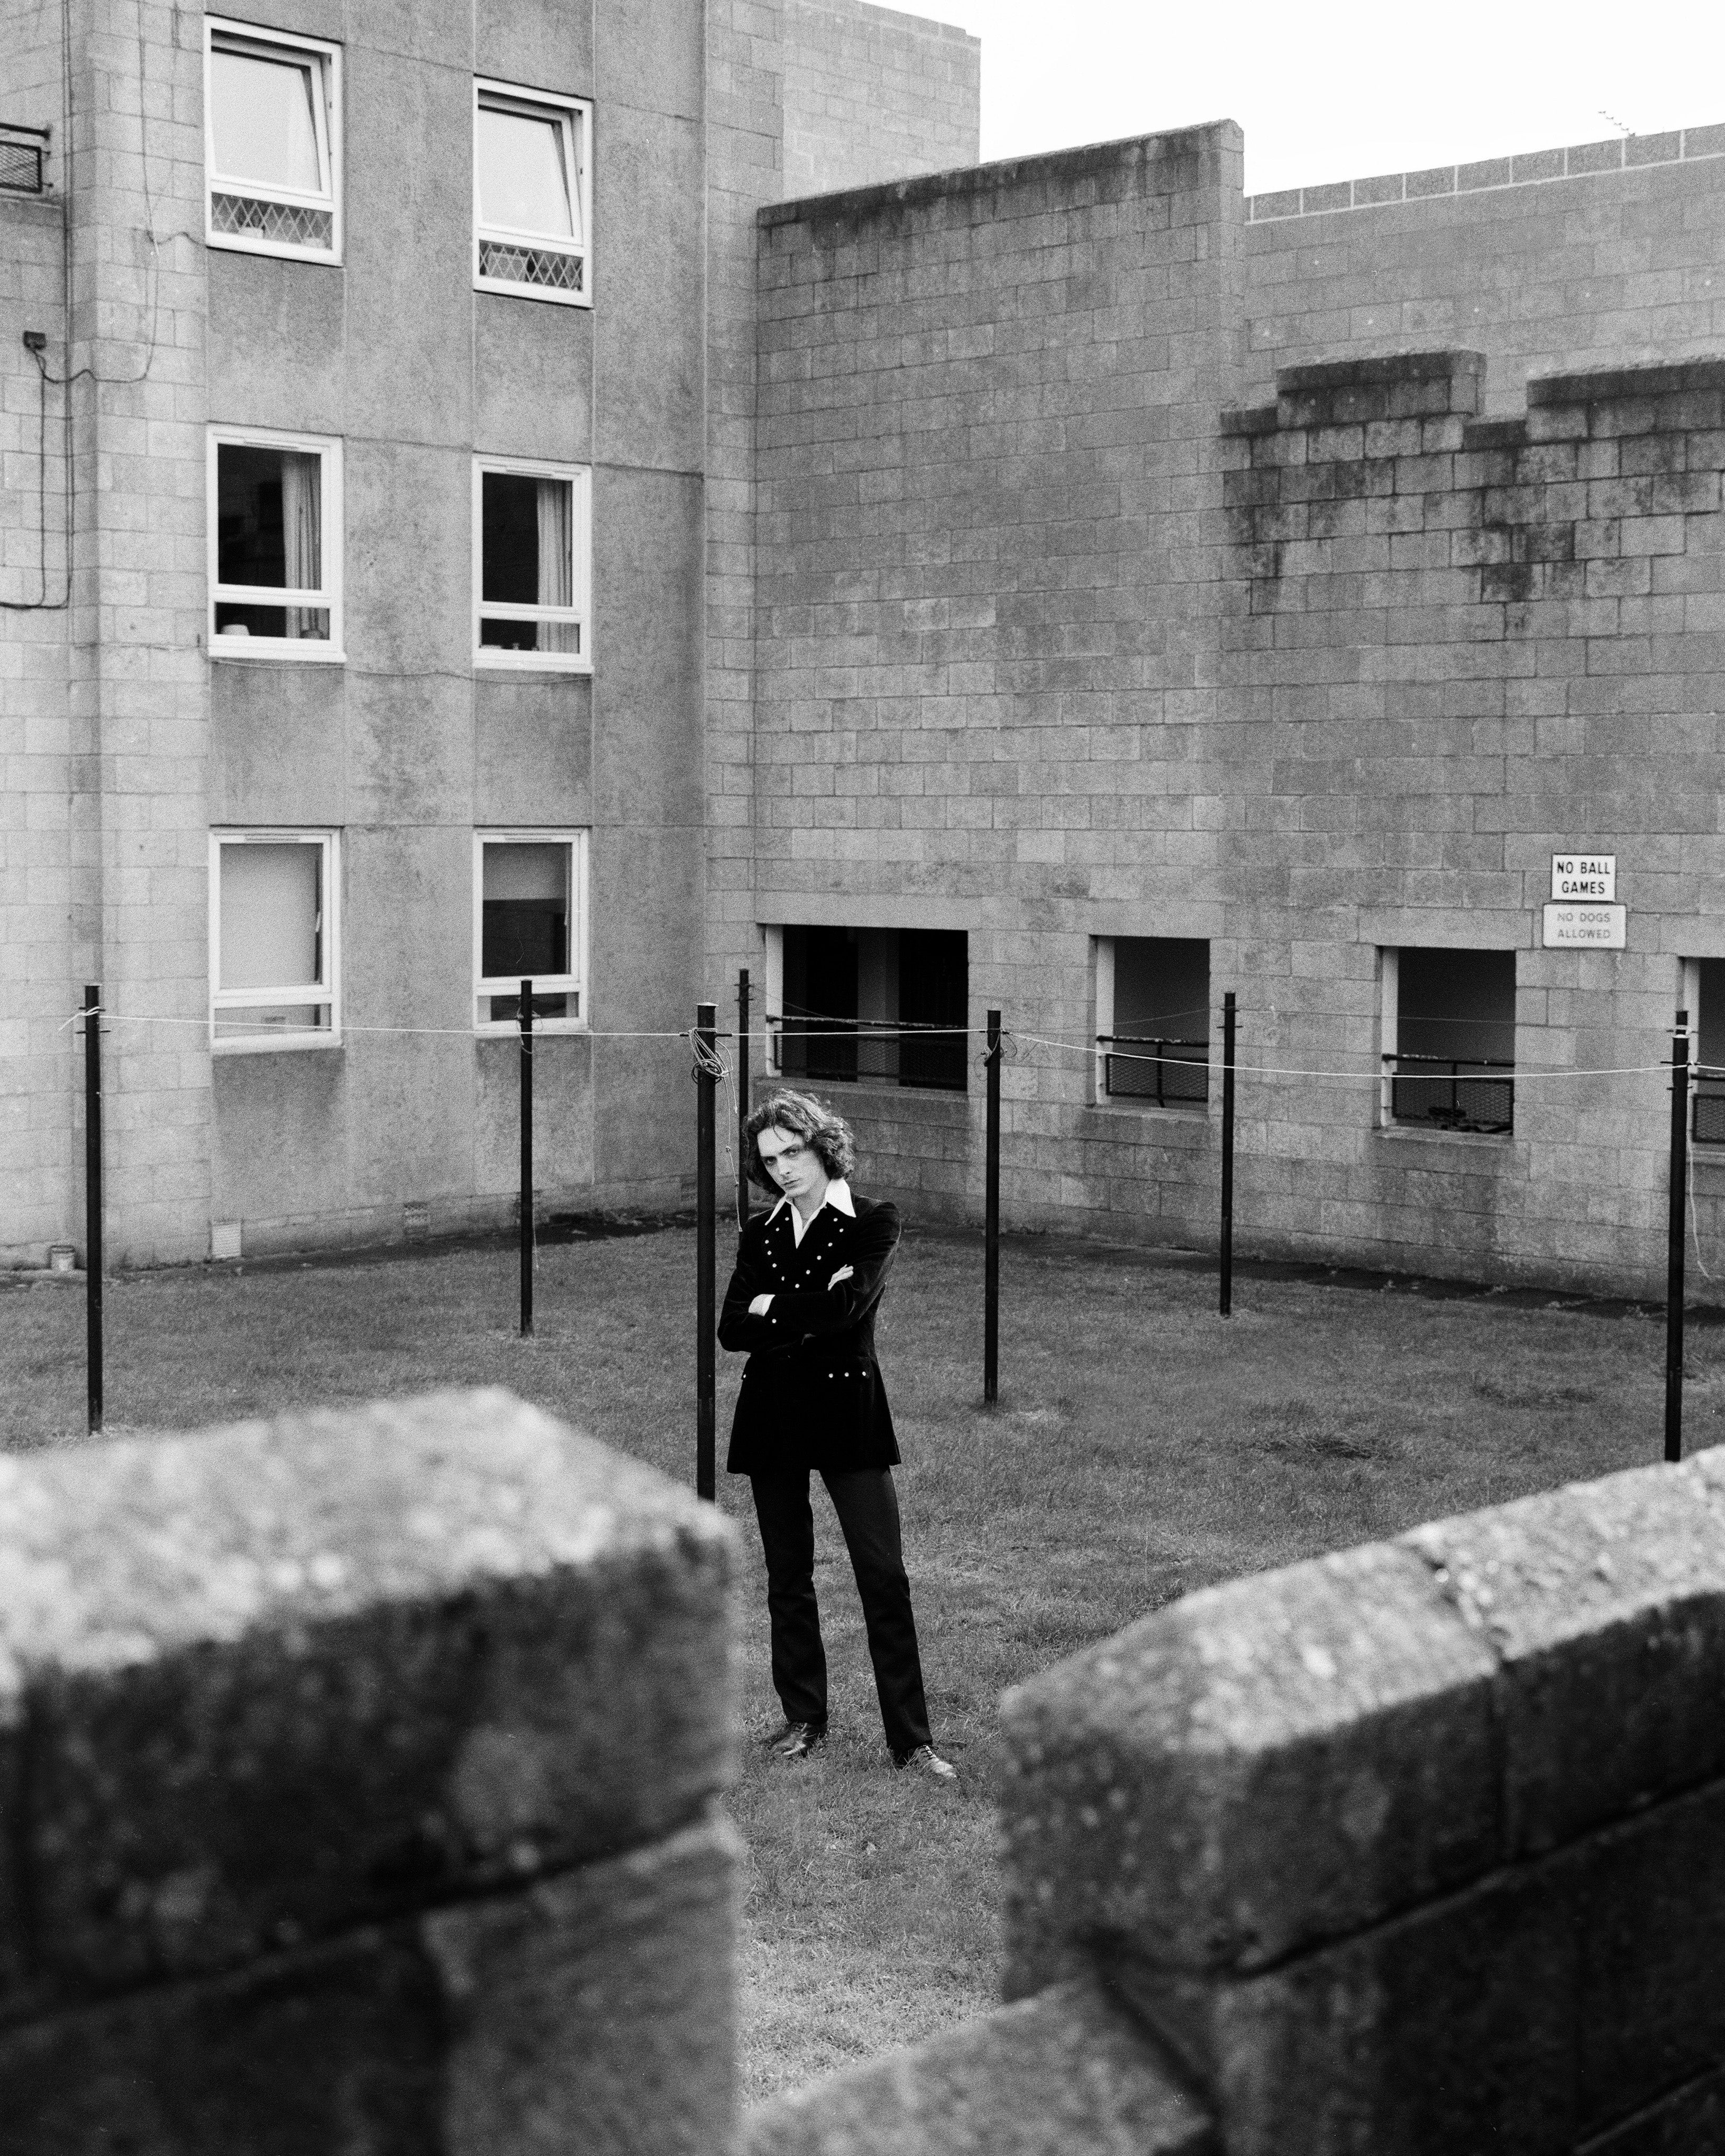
(986, 445)
(802, 95)
(1582, 257)
(870, 94)
(37, 871)
(1021, 670)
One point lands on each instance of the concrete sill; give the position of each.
(36, 1276)
(1197, 1115)
(852, 1089)
(544, 1028)
(271, 656)
(536, 669)
(224, 1048)
(1405, 1134)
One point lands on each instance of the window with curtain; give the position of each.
(272, 142)
(528, 925)
(273, 586)
(272, 936)
(531, 548)
(529, 190)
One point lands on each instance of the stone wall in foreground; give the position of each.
(1419, 1847)
(357, 1782)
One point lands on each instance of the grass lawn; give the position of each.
(1141, 1446)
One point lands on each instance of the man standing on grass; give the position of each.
(802, 1302)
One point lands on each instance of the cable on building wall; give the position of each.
(36, 342)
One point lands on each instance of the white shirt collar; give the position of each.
(838, 1196)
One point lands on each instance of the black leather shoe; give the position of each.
(797, 1740)
(926, 1760)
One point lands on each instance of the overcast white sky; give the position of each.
(1337, 90)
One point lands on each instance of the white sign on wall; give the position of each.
(1572, 927)
(1584, 876)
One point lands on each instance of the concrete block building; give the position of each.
(1160, 593)
(374, 403)
(617, 496)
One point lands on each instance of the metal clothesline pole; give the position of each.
(1675, 1240)
(1227, 1245)
(742, 1097)
(991, 1229)
(707, 1087)
(526, 1224)
(93, 1204)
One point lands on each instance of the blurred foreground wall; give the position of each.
(358, 1783)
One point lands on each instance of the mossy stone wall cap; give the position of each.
(1257, 1766)
(1284, 1762)
(1371, 368)
(283, 1677)
(111, 1552)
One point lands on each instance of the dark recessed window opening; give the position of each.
(1153, 1013)
(1706, 1049)
(885, 1006)
(1450, 1052)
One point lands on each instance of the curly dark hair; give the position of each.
(803, 1116)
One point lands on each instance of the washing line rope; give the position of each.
(771, 1034)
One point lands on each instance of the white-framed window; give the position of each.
(531, 194)
(272, 108)
(530, 923)
(532, 551)
(274, 942)
(275, 545)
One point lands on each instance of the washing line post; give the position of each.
(1227, 1245)
(1675, 1240)
(707, 1087)
(742, 1097)
(991, 1220)
(526, 1224)
(93, 1204)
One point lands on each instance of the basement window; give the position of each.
(530, 193)
(882, 1006)
(530, 923)
(1449, 1025)
(274, 545)
(530, 550)
(272, 142)
(1154, 1020)
(273, 940)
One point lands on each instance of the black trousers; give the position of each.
(867, 1505)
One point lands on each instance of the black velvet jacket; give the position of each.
(811, 1394)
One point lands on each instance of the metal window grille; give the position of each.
(1170, 1073)
(545, 266)
(21, 167)
(1708, 1116)
(1451, 1095)
(290, 224)
(844, 1051)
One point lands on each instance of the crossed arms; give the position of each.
(792, 1314)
